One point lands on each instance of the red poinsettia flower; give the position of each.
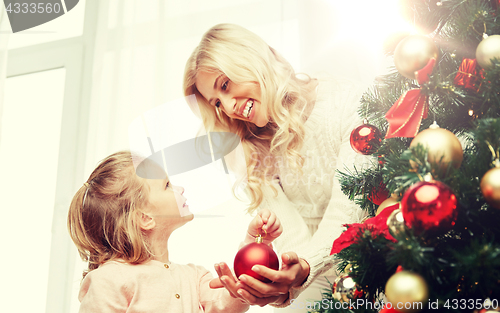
(377, 225)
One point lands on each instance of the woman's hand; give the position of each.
(266, 221)
(293, 273)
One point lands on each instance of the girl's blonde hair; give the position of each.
(246, 58)
(103, 219)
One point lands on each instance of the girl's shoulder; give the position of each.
(121, 270)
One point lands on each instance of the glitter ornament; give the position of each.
(407, 292)
(490, 186)
(430, 207)
(365, 139)
(256, 253)
(413, 53)
(488, 49)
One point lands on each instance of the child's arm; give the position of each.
(266, 224)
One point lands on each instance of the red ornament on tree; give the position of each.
(365, 139)
(429, 207)
(256, 253)
(379, 194)
(388, 309)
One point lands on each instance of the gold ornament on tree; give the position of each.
(344, 288)
(407, 292)
(490, 185)
(396, 222)
(442, 145)
(386, 203)
(413, 53)
(488, 49)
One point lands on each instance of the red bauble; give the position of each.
(365, 139)
(429, 207)
(388, 309)
(255, 254)
(379, 194)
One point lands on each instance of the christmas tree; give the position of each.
(433, 127)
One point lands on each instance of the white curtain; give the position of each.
(4, 40)
(141, 48)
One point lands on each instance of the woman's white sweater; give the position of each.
(311, 207)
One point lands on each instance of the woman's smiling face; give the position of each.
(238, 101)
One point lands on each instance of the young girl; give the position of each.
(121, 223)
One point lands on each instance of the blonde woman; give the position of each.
(295, 133)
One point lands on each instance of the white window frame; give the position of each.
(75, 55)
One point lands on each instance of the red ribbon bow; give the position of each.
(405, 115)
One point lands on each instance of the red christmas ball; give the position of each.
(430, 207)
(388, 309)
(379, 194)
(255, 254)
(365, 139)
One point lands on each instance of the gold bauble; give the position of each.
(443, 146)
(413, 53)
(344, 288)
(396, 222)
(488, 49)
(490, 187)
(387, 202)
(407, 292)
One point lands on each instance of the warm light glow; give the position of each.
(369, 22)
(471, 112)
(426, 194)
(365, 131)
(399, 217)
(349, 283)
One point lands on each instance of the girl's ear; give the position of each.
(146, 222)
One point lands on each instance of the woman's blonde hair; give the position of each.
(246, 58)
(103, 219)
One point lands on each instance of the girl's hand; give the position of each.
(235, 288)
(293, 273)
(266, 221)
